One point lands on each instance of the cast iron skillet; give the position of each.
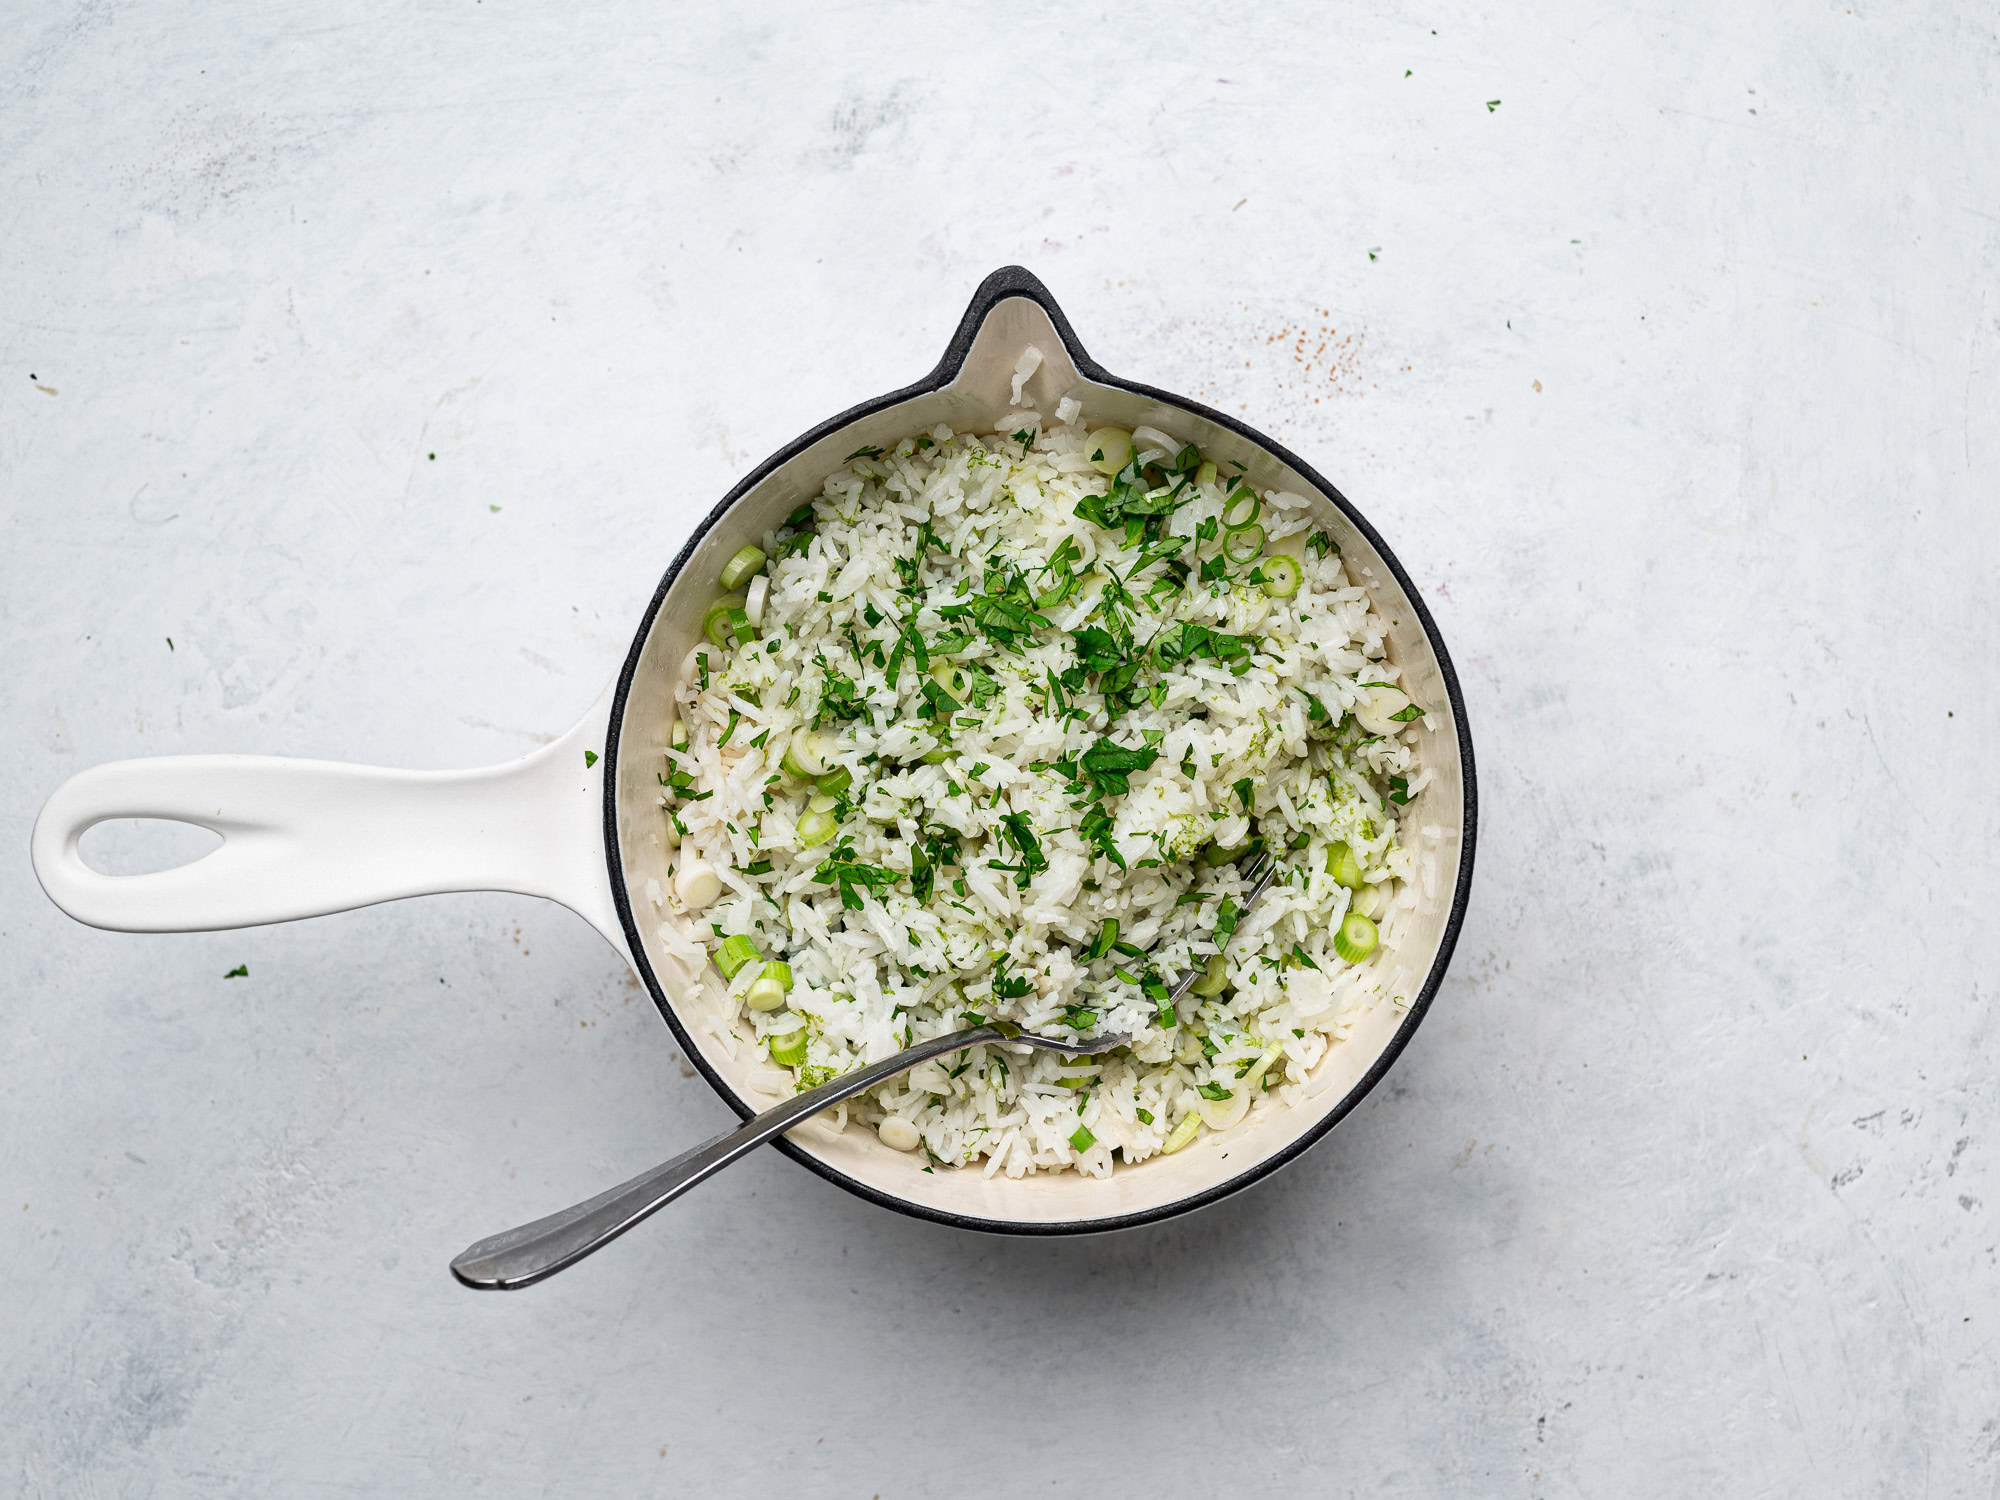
(579, 821)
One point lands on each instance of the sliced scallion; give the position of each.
(1181, 1134)
(740, 626)
(768, 990)
(1205, 474)
(835, 782)
(1214, 977)
(1242, 544)
(1356, 938)
(1258, 1068)
(1240, 510)
(1343, 866)
(736, 952)
(815, 828)
(1082, 1139)
(1281, 575)
(740, 568)
(789, 1050)
(1217, 855)
(716, 624)
(1110, 449)
(803, 757)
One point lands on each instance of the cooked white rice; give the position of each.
(1295, 730)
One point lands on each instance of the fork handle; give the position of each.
(521, 1257)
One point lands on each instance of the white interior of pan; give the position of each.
(976, 400)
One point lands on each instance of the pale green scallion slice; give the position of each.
(1281, 575)
(1182, 1133)
(1243, 544)
(1343, 866)
(1259, 1068)
(1241, 510)
(716, 624)
(789, 1050)
(742, 567)
(815, 828)
(1356, 938)
(1109, 448)
(804, 757)
(736, 952)
(1214, 977)
(768, 990)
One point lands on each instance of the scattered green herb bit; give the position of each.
(1399, 789)
(241, 971)
(1023, 436)
(843, 870)
(701, 668)
(1226, 916)
(170, 643)
(729, 729)
(1019, 832)
(1082, 1139)
(1301, 957)
(1108, 766)
(1407, 714)
(1215, 1091)
(862, 453)
(1008, 986)
(762, 735)
(1145, 1115)
(1320, 543)
(1243, 788)
(761, 867)
(1003, 610)
(1491, 105)
(1375, 252)
(972, 1018)
(589, 759)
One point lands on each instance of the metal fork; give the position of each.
(521, 1257)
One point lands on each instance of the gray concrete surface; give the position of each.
(1674, 379)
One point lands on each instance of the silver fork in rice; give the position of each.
(533, 1252)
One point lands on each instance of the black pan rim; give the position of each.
(1005, 283)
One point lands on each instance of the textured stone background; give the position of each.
(1674, 379)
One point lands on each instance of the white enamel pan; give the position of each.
(304, 837)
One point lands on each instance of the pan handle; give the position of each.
(301, 838)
